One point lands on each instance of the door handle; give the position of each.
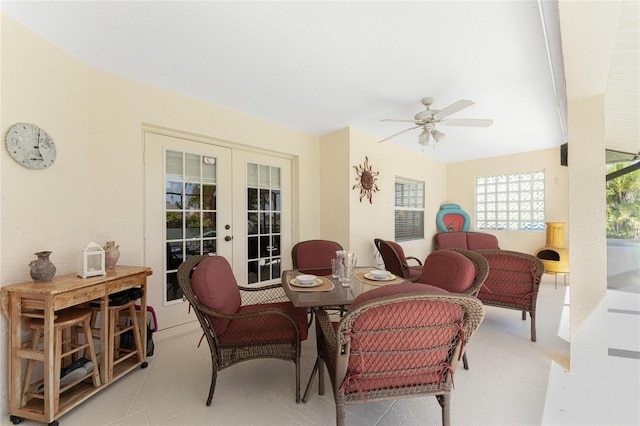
(228, 238)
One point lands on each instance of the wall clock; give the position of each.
(31, 146)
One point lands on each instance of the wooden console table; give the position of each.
(31, 299)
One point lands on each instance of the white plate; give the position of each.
(370, 276)
(316, 283)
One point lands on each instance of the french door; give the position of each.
(202, 198)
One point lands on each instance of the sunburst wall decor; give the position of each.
(366, 180)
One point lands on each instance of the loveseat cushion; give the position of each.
(449, 270)
(215, 286)
(451, 240)
(481, 241)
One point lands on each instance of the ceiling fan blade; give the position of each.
(399, 133)
(451, 109)
(402, 121)
(467, 122)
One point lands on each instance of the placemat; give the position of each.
(326, 285)
(360, 276)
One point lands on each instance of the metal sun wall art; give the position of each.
(366, 180)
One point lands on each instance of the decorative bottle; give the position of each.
(42, 269)
(111, 254)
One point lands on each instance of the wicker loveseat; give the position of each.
(466, 241)
(513, 279)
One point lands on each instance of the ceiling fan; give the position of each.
(428, 119)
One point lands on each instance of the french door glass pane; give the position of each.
(190, 210)
(263, 223)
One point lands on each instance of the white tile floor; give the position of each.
(508, 383)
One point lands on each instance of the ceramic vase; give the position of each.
(42, 269)
(111, 255)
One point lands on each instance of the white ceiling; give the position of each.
(321, 66)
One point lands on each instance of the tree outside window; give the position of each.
(623, 204)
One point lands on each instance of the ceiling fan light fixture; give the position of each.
(423, 138)
(428, 118)
(437, 136)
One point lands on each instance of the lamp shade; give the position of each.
(437, 136)
(423, 138)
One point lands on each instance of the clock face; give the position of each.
(31, 146)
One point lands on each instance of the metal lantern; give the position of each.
(91, 261)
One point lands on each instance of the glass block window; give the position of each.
(510, 202)
(409, 209)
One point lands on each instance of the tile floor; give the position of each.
(512, 381)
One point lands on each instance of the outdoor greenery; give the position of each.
(623, 204)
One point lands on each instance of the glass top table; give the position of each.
(338, 296)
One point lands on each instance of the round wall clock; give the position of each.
(31, 146)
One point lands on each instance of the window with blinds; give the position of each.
(409, 209)
(512, 202)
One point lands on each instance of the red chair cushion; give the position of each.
(314, 256)
(479, 241)
(398, 248)
(216, 287)
(449, 270)
(511, 280)
(451, 240)
(401, 344)
(391, 289)
(391, 261)
(266, 328)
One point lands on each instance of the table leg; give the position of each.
(49, 362)
(105, 339)
(313, 375)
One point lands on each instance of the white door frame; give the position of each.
(157, 280)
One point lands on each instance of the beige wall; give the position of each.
(589, 31)
(376, 220)
(355, 223)
(95, 190)
(588, 201)
(43, 209)
(334, 188)
(461, 190)
(119, 107)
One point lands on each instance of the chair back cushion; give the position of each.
(481, 241)
(393, 257)
(216, 287)
(314, 256)
(512, 279)
(401, 343)
(451, 240)
(392, 289)
(449, 270)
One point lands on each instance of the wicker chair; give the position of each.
(513, 282)
(397, 341)
(396, 262)
(314, 256)
(241, 323)
(456, 271)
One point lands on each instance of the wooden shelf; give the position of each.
(28, 300)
